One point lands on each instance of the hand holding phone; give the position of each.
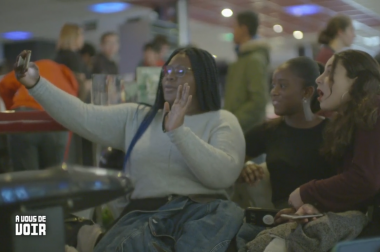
(299, 217)
(27, 72)
(23, 60)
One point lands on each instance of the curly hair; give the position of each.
(361, 111)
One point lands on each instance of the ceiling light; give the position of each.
(277, 28)
(298, 34)
(17, 35)
(110, 7)
(227, 13)
(303, 10)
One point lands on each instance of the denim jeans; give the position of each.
(247, 233)
(180, 225)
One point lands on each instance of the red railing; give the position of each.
(27, 121)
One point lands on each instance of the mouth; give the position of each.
(320, 94)
(169, 88)
(275, 102)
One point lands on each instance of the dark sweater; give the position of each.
(358, 179)
(293, 156)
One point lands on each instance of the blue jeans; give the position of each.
(180, 225)
(247, 233)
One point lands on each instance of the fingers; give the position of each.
(179, 94)
(166, 107)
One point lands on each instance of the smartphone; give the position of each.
(298, 217)
(260, 216)
(24, 62)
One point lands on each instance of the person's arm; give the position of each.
(359, 182)
(218, 162)
(105, 125)
(8, 88)
(250, 113)
(255, 141)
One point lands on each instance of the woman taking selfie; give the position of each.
(182, 155)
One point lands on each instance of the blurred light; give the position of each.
(277, 28)
(111, 7)
(371, 41)
(298, 34)
(227, 13)
(227, 37)
(215, 56)
(17, 35)
(303, 10)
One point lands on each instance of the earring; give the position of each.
(307, 110)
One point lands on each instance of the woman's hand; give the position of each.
(295, 199)
(252, 173)
(29, 76)
(280, 220)
(174, 116)
(307, 209)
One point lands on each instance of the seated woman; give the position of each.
(350, 86)
(292, 141)
(182, 154)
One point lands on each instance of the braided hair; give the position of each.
(207, 89)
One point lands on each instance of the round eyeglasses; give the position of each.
(179, 71)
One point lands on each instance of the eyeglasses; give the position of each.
(179, 71)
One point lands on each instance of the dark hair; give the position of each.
(151, 46)
(249, 19)
(160, 41)
(88, 49)
(307, 70)
(335, 24)
(107, 34)
(206, 80)
(361, 111)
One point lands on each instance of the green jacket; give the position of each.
(246, 93)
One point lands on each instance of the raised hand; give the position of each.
(29, 76)
(174, 116)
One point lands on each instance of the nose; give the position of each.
(319, 80)
(274, 91)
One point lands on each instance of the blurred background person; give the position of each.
(338, 34)
(88, 52)
(151, 56)
(104, 62)
(33, 151)
(163, 46)
(71, 40)
(246, 91)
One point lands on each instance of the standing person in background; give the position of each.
(246, 92)
(88, 52)
(164, 48)
(70, 41)
(40, 150)
(104, 62)
(338, 34)
(151, 56)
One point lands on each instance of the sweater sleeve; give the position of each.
(218, 162)
(105, 125)
(359, 181)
